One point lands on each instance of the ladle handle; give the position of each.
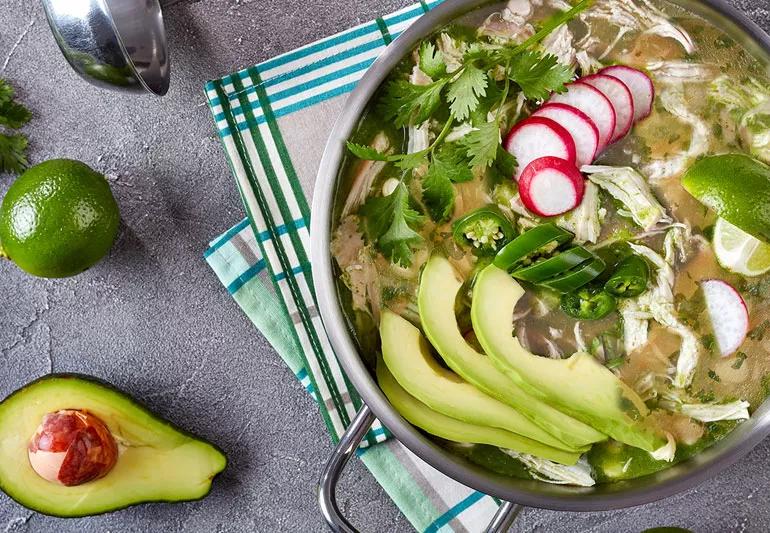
(327, 485)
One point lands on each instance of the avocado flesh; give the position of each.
(446, 427)
(579, 386)
(439, 286)
(156, 461)
(408, 357)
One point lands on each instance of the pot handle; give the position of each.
(327, 484)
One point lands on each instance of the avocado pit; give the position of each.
(71, 447)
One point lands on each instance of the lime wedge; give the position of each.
(738, 251)
(737, 187)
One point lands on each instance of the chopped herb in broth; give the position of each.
(574, 148)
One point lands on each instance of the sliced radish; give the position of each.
(640, 85)
(550, 186)
(620, 98)
(536, 137)
(728, 314)
(593, 103)
(584, 132)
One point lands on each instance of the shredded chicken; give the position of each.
(658, 302)
(359, 271)
(632, 16)
(585, 221)
(365, 174)
(559, 43)
(550, 472)
(708, 412)
(672, 71)
(666, 452)
(630, 188)
(452, 51)
(673, 99)
(748, 104)
(506, 26)
(418, 135)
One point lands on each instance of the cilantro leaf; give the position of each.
(464, 93)
(406, 103)
(538, 75)
(505, 162)
(452, 160)
(389, 222)
(438, 194)
(367, 152)
(481, 144)
(431, 60)
(13, 159)
(411, 161)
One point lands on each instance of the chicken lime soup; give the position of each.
(552, 236)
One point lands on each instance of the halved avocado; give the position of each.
(439, 286)
(408, 357)
(449, 428)
(157, 461)
(579, 386)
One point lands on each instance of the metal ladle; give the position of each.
(119, 44)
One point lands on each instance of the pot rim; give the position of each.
(616, 495)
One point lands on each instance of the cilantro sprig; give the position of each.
(388, 222)
(13, 146)
(474, 93)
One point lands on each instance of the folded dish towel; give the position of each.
(273, 120)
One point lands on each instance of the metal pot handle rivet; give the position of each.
(327, 485)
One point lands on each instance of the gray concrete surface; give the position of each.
(153, 319)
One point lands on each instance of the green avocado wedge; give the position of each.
(438, 290)
(446, 427)
(157, 461)
(736, 187)
(579, 386)
(408, 357)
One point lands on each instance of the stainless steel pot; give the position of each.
(529, 493)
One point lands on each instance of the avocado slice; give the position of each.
(446, 427)
(579, 386)
(439, 286)
(408, 357)
(157, 461)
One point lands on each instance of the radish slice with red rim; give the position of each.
(537, 137)
(639, 84)
(593, 103)
(550, 186)
(728, 314)
(619, 96)
(584, 132)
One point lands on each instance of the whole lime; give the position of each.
(58, 218)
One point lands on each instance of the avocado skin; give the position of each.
(139, 405)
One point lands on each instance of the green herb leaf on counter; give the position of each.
(12, 153)
(388, 223)
(431, 60)
(13, 115)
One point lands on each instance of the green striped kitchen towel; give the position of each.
(273, 120)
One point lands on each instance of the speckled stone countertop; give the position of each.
(153, 319)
